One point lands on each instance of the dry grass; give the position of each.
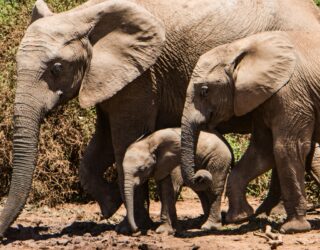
(65, 132)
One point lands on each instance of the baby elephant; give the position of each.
(158, 154)
(275, 77)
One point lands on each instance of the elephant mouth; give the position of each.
(210, 124)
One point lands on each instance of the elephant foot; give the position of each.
(123, 227)
(145, 222)
(234, 216)
(266, 207)
(166, 229)
(111, 201)
(296, 224)
(108, 211)
(211, 225)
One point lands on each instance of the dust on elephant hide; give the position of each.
(158, 155)
(275, 76)
(133, 61)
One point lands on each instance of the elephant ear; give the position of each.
(126, 40)
(263, 64)
(40, 10)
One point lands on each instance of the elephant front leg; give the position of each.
(212, 209)
(274, 195)
(257, 160)
(177, 183)
(290, 156)
(213, 221)
(97, 158)
(168, 199)
(132, 112)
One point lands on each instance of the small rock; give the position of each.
(300, 242)
(46, 209)
(195, 247)
(100, 246)
(124, 240)
(37, 222)
(87, 235)
(63, 242)
(77, 240)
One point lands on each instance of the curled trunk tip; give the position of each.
(202, 180)
(189, 139)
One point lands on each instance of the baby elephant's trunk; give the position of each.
(202, 179)
(129, 198)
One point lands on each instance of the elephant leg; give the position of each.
(273, 197)
(257, 160)
(204, 203)
(314, 167)
(177, 183)
(290, 153)
(213, 213)
(167, 198)
(214, 194)
(97, 157)
(132, 112)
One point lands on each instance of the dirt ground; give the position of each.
(74, 226)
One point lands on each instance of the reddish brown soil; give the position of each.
(79, 227)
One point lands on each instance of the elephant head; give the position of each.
(92, 51)
(233, 80)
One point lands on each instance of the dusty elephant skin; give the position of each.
(158, 154)
(95, 50)
(275, 76)
(274, 195)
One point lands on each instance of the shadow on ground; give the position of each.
(39, 233)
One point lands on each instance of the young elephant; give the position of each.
(158, 155)
(275, 76)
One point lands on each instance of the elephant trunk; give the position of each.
(189, 139)
(27, 119)
(129, 202)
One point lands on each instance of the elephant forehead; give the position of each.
(34, 53)
(210, 61)
(134, 156)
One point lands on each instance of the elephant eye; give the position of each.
(57, 69)
(204, 91)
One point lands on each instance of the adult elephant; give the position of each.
(95, 50)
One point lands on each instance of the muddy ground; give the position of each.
(73, 226)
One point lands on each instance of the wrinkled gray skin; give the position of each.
(275, 75)
(274, 195)
(132, 61)
(158, 154)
